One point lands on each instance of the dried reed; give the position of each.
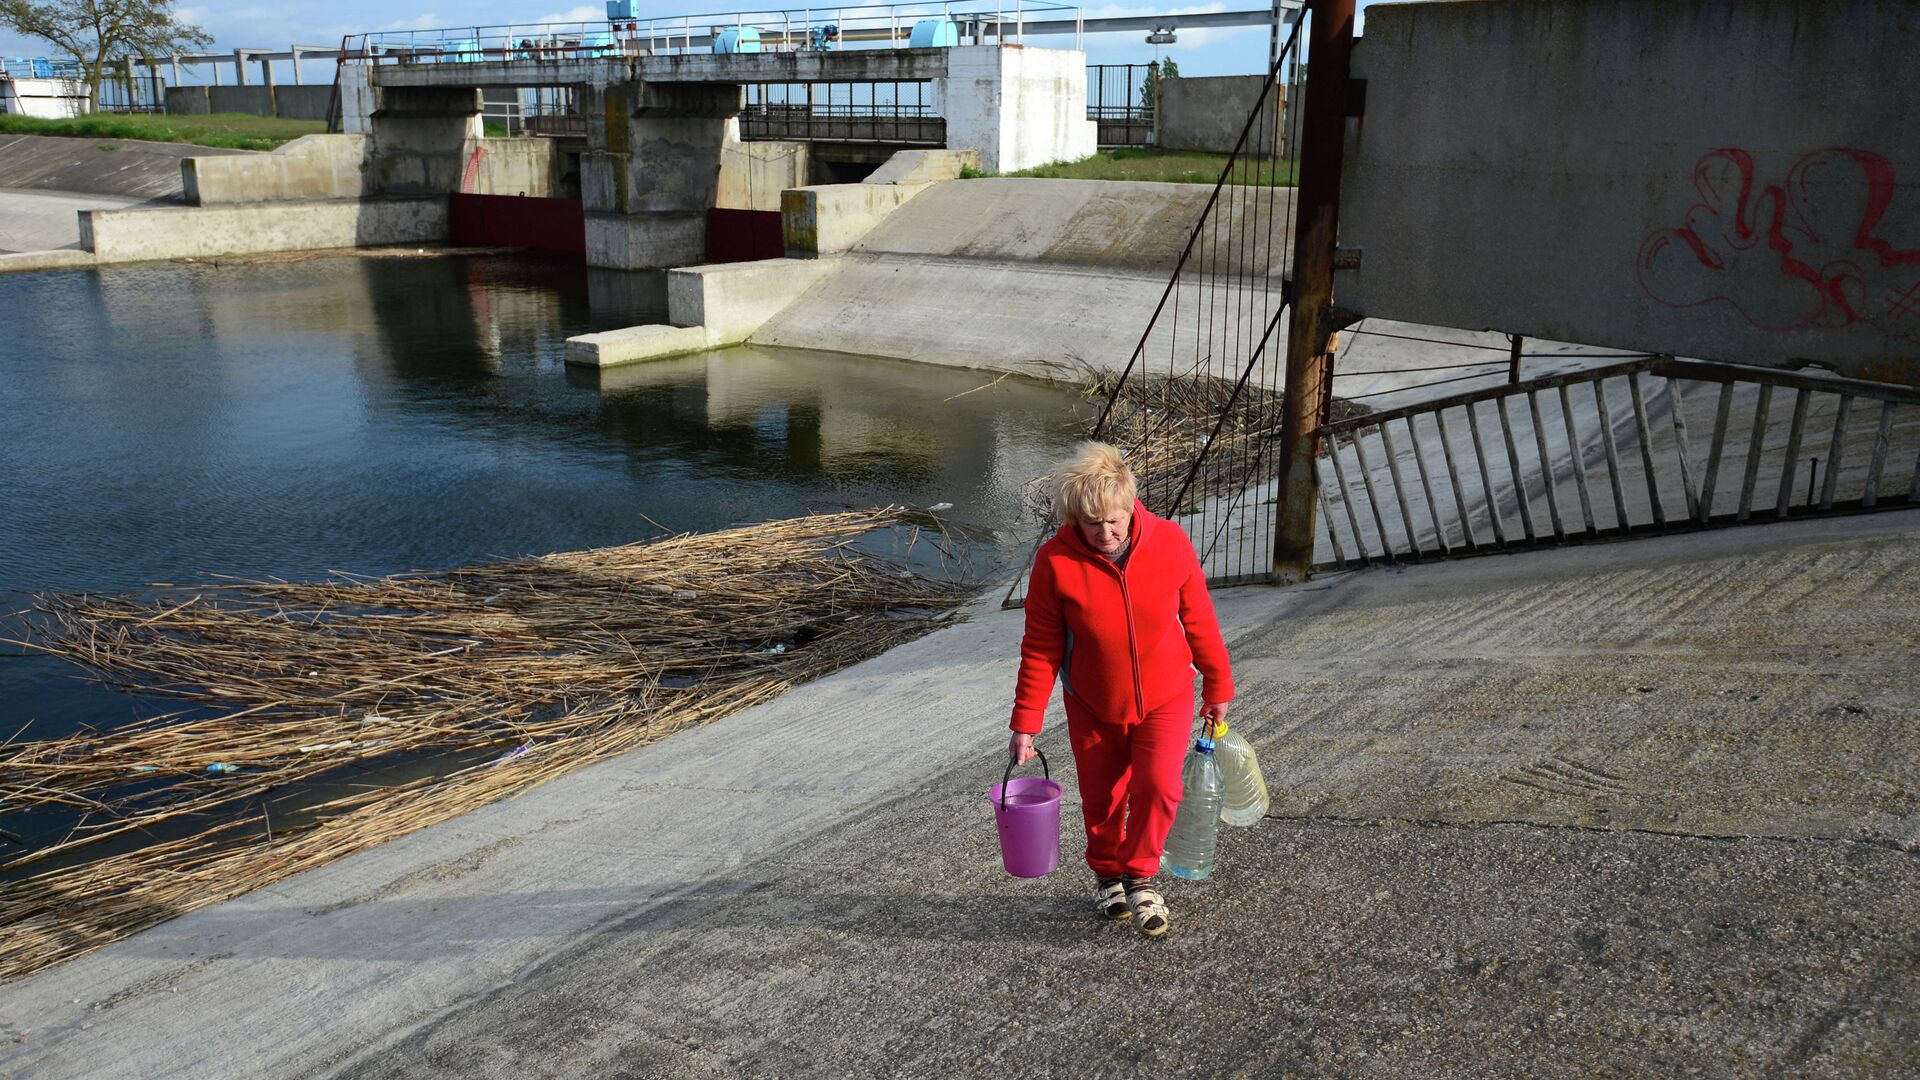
(558, 660)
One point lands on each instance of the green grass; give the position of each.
(1166, 167)
(233, 131)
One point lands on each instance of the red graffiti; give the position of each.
(1806, 254)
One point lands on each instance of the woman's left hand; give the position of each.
(1215, 714)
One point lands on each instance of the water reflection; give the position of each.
(375, 415)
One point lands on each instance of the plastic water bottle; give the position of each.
(1246, 798)
(1196, 825)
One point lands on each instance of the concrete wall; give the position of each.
(1730, 179)
(137, 235)
(302, 102)
(310, 167)
(420, 139)
(709, 306)
(518, 166)
(357, 100)
(257, 100)
(1209, 113)
(187, 101)
(753, 174)
(834, 217)
(289, 102)
(1048, 278)
(1017, 107)
(44, 99)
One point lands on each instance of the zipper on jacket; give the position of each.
(1133, 642)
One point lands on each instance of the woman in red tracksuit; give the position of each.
(1117, 607)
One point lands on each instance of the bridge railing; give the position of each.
(894, 112)
(760, 30)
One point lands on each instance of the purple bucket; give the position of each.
(1026, 811)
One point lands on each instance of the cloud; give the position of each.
(429, 21)
(190, 14)
(583, 13)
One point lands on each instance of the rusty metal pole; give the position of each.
(1310, 330)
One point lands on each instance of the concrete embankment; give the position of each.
(1641, 809)
(45, 182)
(124, 168)
(1047, 278)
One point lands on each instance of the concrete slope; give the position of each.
(1096, 224)
(1644, 807)
(1047, 278)
(47, 220)
(126, 168)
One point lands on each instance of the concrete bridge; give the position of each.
(662, 141)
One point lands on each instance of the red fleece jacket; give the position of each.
(1127, 639)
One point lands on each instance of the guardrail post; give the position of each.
(1310, 330)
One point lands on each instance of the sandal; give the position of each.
(1110, 898)
(1148, 905)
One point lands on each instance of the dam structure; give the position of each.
(662, 142)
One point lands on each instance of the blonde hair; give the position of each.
(1093, 483)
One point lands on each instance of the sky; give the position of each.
(252, 24)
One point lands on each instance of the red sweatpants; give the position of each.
(1129, 783)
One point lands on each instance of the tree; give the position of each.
(102, 33)
(1149, 90)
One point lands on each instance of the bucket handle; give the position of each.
(1045, 771)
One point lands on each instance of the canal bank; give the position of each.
(1645, 807)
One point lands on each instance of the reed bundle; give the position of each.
(534, 667)
(1164, 423)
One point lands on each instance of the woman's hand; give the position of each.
(1020, 747)
(1215, 715)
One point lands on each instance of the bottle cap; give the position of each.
(1203, 744)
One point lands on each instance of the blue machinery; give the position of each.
(38, 67)
(928, 24)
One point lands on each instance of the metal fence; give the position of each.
(1196, 402)
(892, 113)
(1120, 99)
(127, 92)
(1624, 449)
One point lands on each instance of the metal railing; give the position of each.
(760, 30)
(39, 67)
(892, 112)
(1120, 103)
(1613, 451)
(1193, 406)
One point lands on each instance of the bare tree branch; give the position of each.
(95, 32)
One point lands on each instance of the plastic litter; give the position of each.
(512, 755)
(316, 747)
(222, 767)
(778, 649)
(684, 594)
(937, 507)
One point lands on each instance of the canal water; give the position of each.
(167, 422)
